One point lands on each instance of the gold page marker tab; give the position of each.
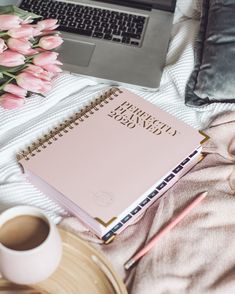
(206, 137)
(110, 239)
(105, 224)
(202, 156)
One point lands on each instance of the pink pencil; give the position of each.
(164, 231)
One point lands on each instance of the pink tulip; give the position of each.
(52, 68)
(9, 21)
(50, 42)
(36, 32)
(27, 81)
(22, 46)
(3, 46)
(39, 72)
(48, 32)
(34, 69)
(10, 58)
(45, 58)
(14, 89)
(10, 101)
(47, 24)
(24, 31)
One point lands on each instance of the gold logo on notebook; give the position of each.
(103, 198)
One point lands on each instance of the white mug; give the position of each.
(19, 263)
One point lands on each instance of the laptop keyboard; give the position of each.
(90, 21)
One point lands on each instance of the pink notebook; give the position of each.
(112, 160)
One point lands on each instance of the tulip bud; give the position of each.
(14, 89)
(50, 42)
(22, 46)
(39, 72)
(47, 24)
(52, 68)
(24, 31)
(33, 84)
(10, 101)
(10, 58)
(45, 58)
(9, 21)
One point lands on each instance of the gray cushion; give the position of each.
(213, 77)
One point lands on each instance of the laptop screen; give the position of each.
(168, 5)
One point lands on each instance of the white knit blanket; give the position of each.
(20, 127)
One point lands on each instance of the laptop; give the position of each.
(121, 43)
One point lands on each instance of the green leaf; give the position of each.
(12, 69)
(3, 80)
(41, 95)
(3, 34)
(23, 14)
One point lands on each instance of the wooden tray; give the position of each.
(82, 270)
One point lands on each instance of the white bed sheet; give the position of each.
(20, 127)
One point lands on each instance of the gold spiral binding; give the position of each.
(68, 124)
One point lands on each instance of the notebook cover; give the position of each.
(114, 155)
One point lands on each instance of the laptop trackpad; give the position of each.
(76, 52)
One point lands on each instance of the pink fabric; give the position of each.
(198, 255)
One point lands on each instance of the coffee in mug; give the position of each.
(24, 232)
(30, 245)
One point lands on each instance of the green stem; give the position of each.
(2, 34)
(7, 82)
(30, 57)
(35, 45)
(9, 74)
